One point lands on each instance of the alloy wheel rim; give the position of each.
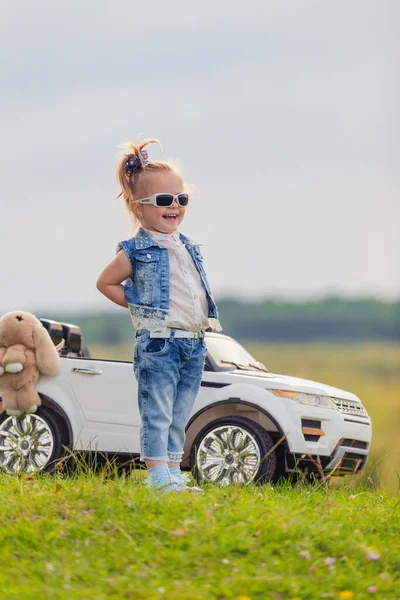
(228, 454)
(26, 443)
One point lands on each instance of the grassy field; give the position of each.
(84, 536)
(371, 371)
(99, 537)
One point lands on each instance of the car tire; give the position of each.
(233, 450)
(30, 443)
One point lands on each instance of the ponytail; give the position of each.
(133, 170)
(130, 166)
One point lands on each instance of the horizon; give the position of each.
(112, 308)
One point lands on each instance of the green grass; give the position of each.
(103, 537)
(99, 536)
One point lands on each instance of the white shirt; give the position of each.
(188, 307)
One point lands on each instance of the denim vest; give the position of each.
(147, 290)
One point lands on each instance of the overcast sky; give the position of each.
(283, 114)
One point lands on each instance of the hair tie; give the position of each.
(133, 162)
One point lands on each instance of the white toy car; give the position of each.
(247, 424)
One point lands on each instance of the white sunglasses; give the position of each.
(163, 200)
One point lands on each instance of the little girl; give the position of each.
(159, 275)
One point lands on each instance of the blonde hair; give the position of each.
(133, 185)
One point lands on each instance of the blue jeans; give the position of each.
(168, 371)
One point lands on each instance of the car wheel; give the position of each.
(233, 450)
(31, 442)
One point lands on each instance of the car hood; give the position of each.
(275, 381)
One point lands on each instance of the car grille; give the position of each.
(350, 408)
(354, 443)
(352, 463)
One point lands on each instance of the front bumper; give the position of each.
(325, 439)
(342, 461)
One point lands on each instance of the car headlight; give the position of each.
(309, 399)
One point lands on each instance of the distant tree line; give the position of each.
(332, 318)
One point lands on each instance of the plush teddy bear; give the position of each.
(26, 350)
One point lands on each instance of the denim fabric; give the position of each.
(168, 371)
(147, 290)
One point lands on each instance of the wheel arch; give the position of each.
(234, 407)
(62, 418)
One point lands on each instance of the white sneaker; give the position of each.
(183, 482)
(193, 488)
(169, 485)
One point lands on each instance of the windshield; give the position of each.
(227, 351)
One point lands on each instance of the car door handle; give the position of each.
(86, 371)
